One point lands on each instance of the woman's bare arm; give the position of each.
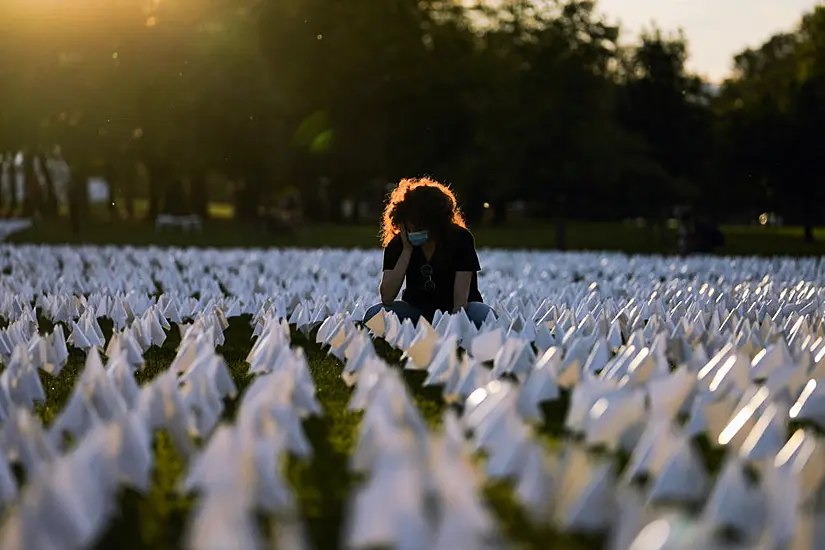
(392, 279)
(461, 289)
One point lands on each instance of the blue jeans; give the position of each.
(476, 311)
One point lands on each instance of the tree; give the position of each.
(114, 83)
(667, 109)
(773, 109)
(513, 100)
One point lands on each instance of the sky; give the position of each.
(716, 30)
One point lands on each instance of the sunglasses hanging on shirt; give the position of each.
(427, 272)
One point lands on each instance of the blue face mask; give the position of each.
(417, 238)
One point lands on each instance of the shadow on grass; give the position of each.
(324, 483)
(159, 518)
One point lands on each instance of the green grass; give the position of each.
(626, 237)
(140, 209)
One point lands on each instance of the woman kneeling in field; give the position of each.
(427, 244)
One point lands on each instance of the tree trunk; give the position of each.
(500, 211)
(336, 201)
(561, 224)
(561, 233)
(154, 194)
(74, 208)
(110, 176)
(660, 227)
(247, 199)
(5, 179)
(809, 232)
(130, 182)
(199, 193)
(808, 221)
(50, 204)
(174, 196)
(159, 176)
(79, 188)
(12, 188)
(31, 185)
(78, 196)
(664, 235)
(473, 207)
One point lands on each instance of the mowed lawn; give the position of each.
(600, 236)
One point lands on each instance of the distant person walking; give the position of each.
(427, 245)
(75, 205)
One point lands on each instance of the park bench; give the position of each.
(11, 226)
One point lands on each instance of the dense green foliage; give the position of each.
(531, 100)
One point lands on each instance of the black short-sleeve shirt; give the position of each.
(458, 253)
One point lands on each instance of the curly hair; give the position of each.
(422, 202)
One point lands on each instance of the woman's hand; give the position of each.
(392, 279)
(405, 240)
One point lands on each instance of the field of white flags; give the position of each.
(229, 400)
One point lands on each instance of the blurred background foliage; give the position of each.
(186, 103)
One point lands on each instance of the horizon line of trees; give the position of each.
(529, 100)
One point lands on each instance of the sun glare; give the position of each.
(44, 16)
